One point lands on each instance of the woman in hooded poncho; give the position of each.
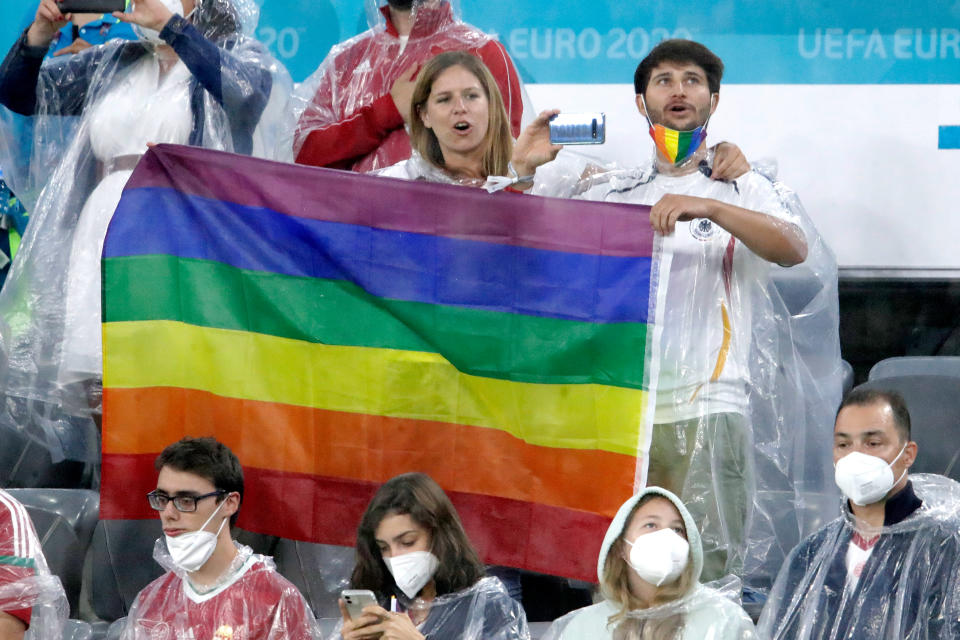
(649, 569)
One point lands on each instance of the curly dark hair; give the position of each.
(416, 495)
(207, 458)
(683, 52)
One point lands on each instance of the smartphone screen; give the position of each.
(578, 128)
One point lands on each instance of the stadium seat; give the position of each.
(934, 405)
(320, 571)
(847, 376)
(76, 630)
(64, 520)
(916, 366)
(121, 564)
(24, 462)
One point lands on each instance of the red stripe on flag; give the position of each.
(327, 510)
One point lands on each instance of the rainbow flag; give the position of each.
(336, 329)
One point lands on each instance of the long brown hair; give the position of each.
(498, 143)
(616, 587)
(416, 495)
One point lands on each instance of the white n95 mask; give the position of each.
(191, 550)
(865, 479)
(412, 571)
(659, 557)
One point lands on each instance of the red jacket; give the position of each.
(352, 122)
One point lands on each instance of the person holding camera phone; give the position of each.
(194, 76)
(413, 552)
(460, 132)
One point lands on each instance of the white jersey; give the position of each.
(709, 275)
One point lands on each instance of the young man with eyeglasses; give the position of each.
(214, 587)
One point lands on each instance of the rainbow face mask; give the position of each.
(676, 146)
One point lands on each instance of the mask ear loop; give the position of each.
(902, 449)
(204, 525)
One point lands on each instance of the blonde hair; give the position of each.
(616, 587)
(498, 142)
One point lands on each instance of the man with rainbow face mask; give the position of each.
(720, 238)
(889, 566)
(214, 587)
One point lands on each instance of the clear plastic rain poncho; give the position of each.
(909, 586)
(28, 591)
(85, 120)
(250, 600)
(749, 367)
(344, 114)
(482, 612)
(702, 612)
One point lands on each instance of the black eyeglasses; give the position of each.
(182, 503)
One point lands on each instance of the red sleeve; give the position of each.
(338, 144)
(18, 544)
(501, 67)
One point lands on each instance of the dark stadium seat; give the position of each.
(64, 520)
(24, 462)
(934, 405)
(121, 564)
(916, 366)
(847, 376)
(76, 630)
(320, 571)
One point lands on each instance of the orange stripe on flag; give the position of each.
(299, 439)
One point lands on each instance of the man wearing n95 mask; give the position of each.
(888, 567)
(214, 587)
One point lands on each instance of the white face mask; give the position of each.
(659, 557)
(865, 479)
(412, 571)
(191, 550)
(149, 35)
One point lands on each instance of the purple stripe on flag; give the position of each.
(415, 206)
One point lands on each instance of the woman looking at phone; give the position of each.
(412, 551)
(649, 569)
(192, 77)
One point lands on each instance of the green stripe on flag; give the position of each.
(478, 342)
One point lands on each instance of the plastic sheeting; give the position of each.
(713, 606)
(482, 612)
(909, 586)
(750, 369)
(27, 588)
(343, 113)
(704, 611)
(250, 600)
(69, 155)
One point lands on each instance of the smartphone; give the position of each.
(578, 128)
(91, 6)
(356, 600)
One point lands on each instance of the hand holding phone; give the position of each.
(356, 600)
(578, 128)
(352, 603)
(92, 6)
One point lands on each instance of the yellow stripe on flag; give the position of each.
(386, 382)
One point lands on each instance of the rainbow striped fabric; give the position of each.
(336, 329)
(675, 145)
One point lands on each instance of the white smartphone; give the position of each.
(356, 600)
(578, 128)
